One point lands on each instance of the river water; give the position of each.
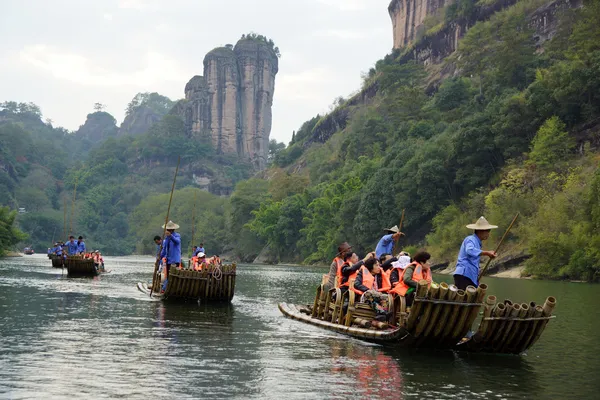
(102, 338)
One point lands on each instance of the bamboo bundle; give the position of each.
(445, 311)
(77, 265)
(421, 291)
(487, 313)
(474, 310)
(427, 313)
(363, 323)
(547, 309)
(212, 283)
(453, 315)
(516, 328)
(505, 326)
(435, 317)
(498, 312)
(457, 335)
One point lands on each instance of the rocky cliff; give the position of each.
(434, 49)
(139, 121)
(231, 102)
(98, 126)
(408, 17)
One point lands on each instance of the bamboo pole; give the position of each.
(64, 218)
(446, 309)
(482, 272)
(400, 229)
(165, 228)
(73, 205)
(193, 223)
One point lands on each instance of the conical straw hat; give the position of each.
(393, 229)
(481, 225)
(171, 225)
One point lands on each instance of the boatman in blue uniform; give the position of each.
(72, 246)
(171, 251)
(386, 243)
(80, 245)
(467, 265)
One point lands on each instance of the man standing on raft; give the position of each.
(467, 265)
(171, 250)
(387, 241)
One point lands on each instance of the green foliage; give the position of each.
(551, 144)
(154, 101)
(260, 38)
(9, 234)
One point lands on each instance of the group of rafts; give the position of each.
(441, 316)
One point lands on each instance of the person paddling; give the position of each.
(386, 243)
(467, 265)
(171, 251)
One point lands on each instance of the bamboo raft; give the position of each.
(57, 261)
(441, 317)
(213, 283)
(79, 266)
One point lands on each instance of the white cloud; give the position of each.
(348, 5)
(309, 84)
(108, 16)
(340, 34)
(85, 71)
(136, 4)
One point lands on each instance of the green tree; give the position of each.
(551, 144)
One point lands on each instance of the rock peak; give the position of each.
(231, 102)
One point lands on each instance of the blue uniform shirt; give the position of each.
(72, 248)
(385, 246)
(81, 247)
(468, 258)
(172, 248)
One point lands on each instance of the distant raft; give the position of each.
(213, 283)
(79, 266)
(441, 317)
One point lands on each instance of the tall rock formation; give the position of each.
(231, 102)
(408, 16)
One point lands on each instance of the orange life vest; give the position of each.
(339, 262)
(369, 281)
(418, 274)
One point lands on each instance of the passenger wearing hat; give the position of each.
(171, 249)
(467, 265)
(386, 243)
(336, 264)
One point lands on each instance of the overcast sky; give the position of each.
(66, 55)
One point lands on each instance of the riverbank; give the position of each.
(12, 254)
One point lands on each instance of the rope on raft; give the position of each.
(217, 274)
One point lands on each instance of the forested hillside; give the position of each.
(515, 130)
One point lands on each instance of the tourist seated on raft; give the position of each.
(416, 271)
(349, 269)
(336, 265)
(98, 260)
(216, 260)
(201, 262)
(372, 284)
(398, 266)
